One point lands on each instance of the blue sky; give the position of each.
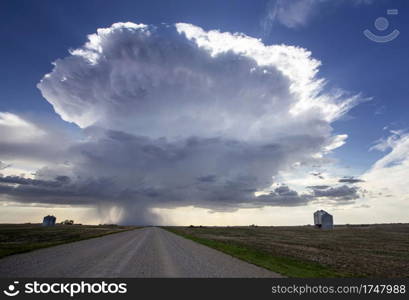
(36, 33)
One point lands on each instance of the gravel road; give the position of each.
(146, 252)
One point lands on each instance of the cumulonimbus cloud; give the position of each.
(174, 115)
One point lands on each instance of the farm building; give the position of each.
(323, 220)
(49, 220)
(68, 222)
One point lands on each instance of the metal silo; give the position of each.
(323, 220)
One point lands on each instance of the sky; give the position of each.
(204, 112)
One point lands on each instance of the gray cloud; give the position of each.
(339, 194)
(317, 174)
(284, 196)
(207, 178)
(30, 141)
(350, 180)
(318, 187)
(3, 165)
(60, 180)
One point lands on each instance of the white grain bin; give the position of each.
(323, 220)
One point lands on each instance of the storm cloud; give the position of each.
(173, 115)
(342, 194)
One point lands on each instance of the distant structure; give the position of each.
(49, 220)
(323, 220)
(68, 222)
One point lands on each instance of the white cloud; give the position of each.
(388, 176)
(297, 13)
(290, 13)
(222, 84)
(4, 166)
(15, 129)
(27, 145)
(177, 116)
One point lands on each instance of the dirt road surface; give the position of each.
(146, 252)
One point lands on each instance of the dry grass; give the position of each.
(18, 238)
(367, 251)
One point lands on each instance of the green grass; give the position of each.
(286, 266)
(20, 238)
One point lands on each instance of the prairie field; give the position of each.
(304, 251)
(18, 238)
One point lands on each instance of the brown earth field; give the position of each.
(18, 238)
(377, 251)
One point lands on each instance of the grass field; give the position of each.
(18, 238)
(304, 251)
